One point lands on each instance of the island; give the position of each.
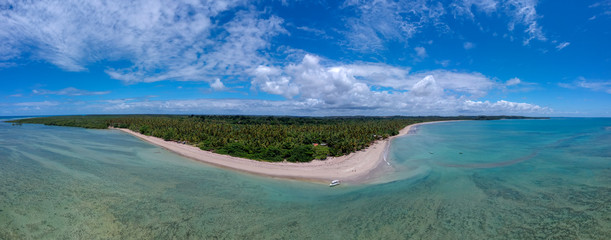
(317, 149)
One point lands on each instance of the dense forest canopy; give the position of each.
(268, 138)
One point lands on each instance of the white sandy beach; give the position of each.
(353, 167)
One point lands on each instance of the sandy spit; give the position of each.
(353, 168)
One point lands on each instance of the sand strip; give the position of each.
(352, 168)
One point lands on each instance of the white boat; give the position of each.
(334, 183)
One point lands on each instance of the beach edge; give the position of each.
(354, 167)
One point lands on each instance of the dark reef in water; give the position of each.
(559, 213)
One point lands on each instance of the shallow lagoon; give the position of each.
(509, 179)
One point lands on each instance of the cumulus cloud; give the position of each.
(69, 91)
(206, 40)
(270, 79)
(467, 84)
(228, 39)
(218, 85)
(378, 88)
(176, 40)
(334, 86)
(427, 87)
(313, 75)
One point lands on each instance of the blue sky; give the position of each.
(459, 57)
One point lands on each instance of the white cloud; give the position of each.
(602, 3)
(315, 31)
(581, 82)
(443, 63)
(463, 7)
(505, 107)
(468, 45)
(37, 104)
(309, 80)
(232, 55)
(163, 40)
(69, 91)
(427, 87)
(381, 21)
(518, 85)
(290, 80)
(521, 13)
(209, 39)
(378, 23)
(524, 12)
(218, 85)
(513, 81)
(560, 46)
(604, 6)
(270, 80)
(318, 108)
(420, 52)
(429, 100)
(210, 106)
(467, 84)
(377, 87)
(213, 40)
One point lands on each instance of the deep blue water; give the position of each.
(508, 179)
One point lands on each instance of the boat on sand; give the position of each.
(334, 183)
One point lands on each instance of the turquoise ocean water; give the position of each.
(508, 179)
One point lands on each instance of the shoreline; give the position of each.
(353, 168)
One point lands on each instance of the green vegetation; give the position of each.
(269, 138)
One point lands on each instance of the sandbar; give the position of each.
(354, 167)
